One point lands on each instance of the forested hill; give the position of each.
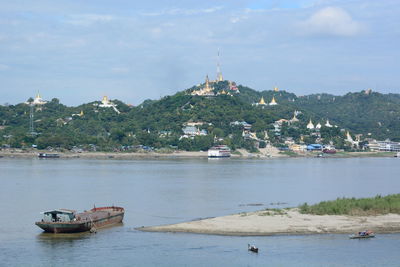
(159, 123)
(375, 113)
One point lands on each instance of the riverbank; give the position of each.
(283, 222)
(267, 153)
(108, 155)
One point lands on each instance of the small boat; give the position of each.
(48, 155)
(220, 151)
(252, 248)
(397, 155)
(68, 221)
(329, 151)
(362, 235)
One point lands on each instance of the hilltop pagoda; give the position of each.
(310, 125)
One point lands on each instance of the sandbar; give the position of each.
(286, 222)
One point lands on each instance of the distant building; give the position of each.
(262, 102)
(294, 119)
(327, 124)
(106, 103)
(298, 148)
(207, 90)
(384, 146)
(37, 101)
(78, 114)
(273, 102)
(245, 125)
(314, 147)
(310, 125)
(233, 87)
(192, 131)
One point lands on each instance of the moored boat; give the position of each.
(68, 221)
(362, 235)
(329, 150)
(220, 151)
(48, 155)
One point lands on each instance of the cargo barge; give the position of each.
(68, 221)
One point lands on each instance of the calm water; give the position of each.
(157, 192)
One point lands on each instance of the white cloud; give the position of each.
(4, 67)
(183, 11)
(120, 70)
(331, 21)
(76, 43)
(88, 19)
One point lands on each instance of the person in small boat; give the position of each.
(252, 248)
(365, 233)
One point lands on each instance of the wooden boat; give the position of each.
(68, 221)
(252, 248)
(362, 235)
(329, 151)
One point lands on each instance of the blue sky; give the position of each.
(79, 51)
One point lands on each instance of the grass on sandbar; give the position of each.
(352, 206)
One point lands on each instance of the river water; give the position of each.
(165, 191)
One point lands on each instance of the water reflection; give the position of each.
(65, 238)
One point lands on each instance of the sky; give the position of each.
(78, 51)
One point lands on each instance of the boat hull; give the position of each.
(93, 219)
(361, 237)
(64, 227)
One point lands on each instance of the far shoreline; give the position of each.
(17, 153)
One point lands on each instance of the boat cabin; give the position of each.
(60, 215)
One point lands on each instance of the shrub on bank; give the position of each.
(353, 206)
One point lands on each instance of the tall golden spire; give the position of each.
(276, 89)
(262, 102)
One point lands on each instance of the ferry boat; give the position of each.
(48, 155)
(68, 221)
(220, 151)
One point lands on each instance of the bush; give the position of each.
(352, 206)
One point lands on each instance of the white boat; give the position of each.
(397, 155)
(220, 151)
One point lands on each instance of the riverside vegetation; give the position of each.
(351, 206)
(158, 123)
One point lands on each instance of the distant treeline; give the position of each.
(159, 123)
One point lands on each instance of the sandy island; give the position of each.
(289, 222)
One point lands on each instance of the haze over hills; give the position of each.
(216, 116)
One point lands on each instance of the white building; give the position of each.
(106, 103)
(384, 146)
(38, 100)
